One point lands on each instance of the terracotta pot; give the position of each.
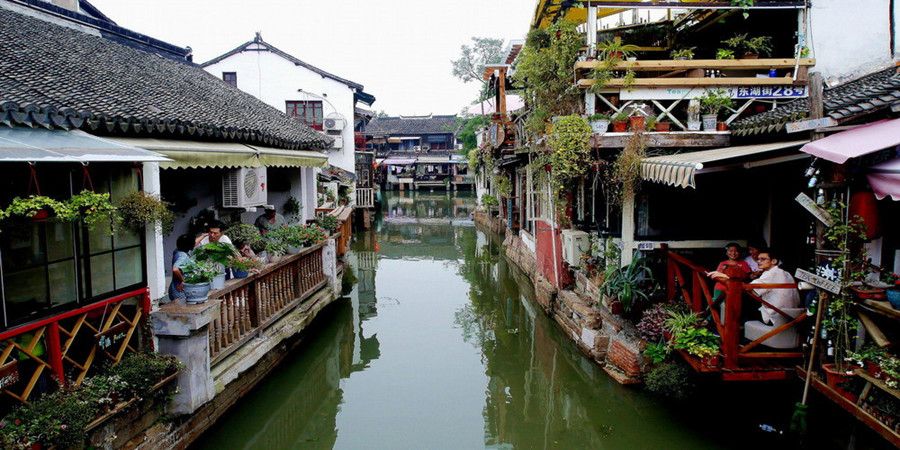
(721, 126)
(41, 216)
(619, 127)
(616, 307)
(663, 127)
(834, 378)
(868, 293)
(637, 123)
(750, 56)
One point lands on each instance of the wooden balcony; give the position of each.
(692, 72)
(365, 197)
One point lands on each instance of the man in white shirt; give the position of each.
(772, 274)
(213, 234)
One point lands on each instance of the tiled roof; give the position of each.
(412, 125)
(57, 77)
(258, 42)
(872, 92)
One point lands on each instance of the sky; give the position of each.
(400, 50)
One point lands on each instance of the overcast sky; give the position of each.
(400, 50)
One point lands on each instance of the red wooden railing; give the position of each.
(109, 325)
(695, 289)
(251, 304)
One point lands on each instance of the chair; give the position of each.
(789, 338)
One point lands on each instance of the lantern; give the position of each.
(865, 205)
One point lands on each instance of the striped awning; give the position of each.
(199, 154)
(680, 169)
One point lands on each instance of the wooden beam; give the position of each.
(662, 82)
(877, 335)
(674, 64)
(692, 5)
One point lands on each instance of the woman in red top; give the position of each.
(733, 252)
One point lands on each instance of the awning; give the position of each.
(409, 138)
(513, 103)
(398, 161)
(679, 170)
(276, 157)
(195, 154)
(884, 178)
(42, 145)
(840, 147)
(394, 140)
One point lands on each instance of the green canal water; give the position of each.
(440, 344)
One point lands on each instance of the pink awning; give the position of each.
(840, 147)
(513, 103)
(884, 178)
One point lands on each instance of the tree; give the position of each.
(470, 65)
(468, 127)
(381, 114)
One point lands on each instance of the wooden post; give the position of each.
(501, 93)
(816, 107)
(55, 351)
(733, 297)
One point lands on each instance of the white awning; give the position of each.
(43, 145)
(679, 169)
(196, 154)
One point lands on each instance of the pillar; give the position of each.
(153, 239)
(183, 331)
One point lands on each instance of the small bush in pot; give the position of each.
(140, 209)
(242, 265)
(216, 252)
(246, 234)
(328, 222)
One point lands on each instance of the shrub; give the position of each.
(244, 233)
(141, 371)
(328, 222)
(652, 322)
(140, 209)
(672, 380)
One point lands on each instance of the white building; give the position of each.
(301, 90)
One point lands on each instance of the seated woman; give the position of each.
(733, 253)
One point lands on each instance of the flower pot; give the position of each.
(709, 122)
(893, 296)
(218, 282)
(196, 293)
(239, 273)
(749, 56)
(874, 369)
(835, 377)
(711, 361)
(275, 258)
(693, 125)
(41, 216)
(721, 126)
(663, 127)
(637, 123)
(617, 307)
(868, 292)
(619, 127)
(599, 126)
(291, 250)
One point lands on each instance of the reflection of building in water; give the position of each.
(363, 298)
(423, 206)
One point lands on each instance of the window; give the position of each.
(230, 78)
(308, 112)
(51, 266)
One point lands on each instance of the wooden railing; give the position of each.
(694, 72)
(367, 260)
(695, 290)
(251, 304)
(105, 330)
(365, 197)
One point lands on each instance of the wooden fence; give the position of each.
(365, 197)
(251, 304)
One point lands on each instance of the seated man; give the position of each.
(213, 234)
(772, 274)
(269, 220)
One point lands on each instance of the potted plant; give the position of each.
(619, 122)
(292, 209)
(140, 209)
(683, 54)
(241, 266)
(625, 283)
(217, 253)
(245, 234)
(693, 116)
(328, 222)
(613, 52)
(699, 342)
(713, 100)
(724, 53)
(663, 125)
(615, 49)
(869, 357)
(599, 123)
(751, 46)
(637, 120)
(35, 207)
(198, 276)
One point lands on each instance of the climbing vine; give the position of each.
(625, 173)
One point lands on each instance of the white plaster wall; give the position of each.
(850, 38)
(275, 80)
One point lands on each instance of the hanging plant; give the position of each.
(292, 208)
(571, 147)
(91, 207)
(31, 207)
(626, 171)
(140, 209)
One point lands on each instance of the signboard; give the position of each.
(804, 125)
(737, 92)
(814, 209)
(818, 281)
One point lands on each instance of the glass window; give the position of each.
(307, 111)
(230, 78)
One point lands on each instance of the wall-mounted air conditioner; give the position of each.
(334, 122)
(574, 244)
(244, 187)
(338, 141)
(417, 148)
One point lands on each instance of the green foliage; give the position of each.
(245, 233)
(488, 200)
(724, 53)
(545, 73)
(292, 208)
(612, 52)
(299, 235)
(244, 263)
(761, 45)
(199, 272)
(714, 100)
(139, 209)
(216, 252)
(598, 116)
(570, 143)
(328, 222)
(672, 380)
(275, 247)
(684, 53)
(746, 4)
(625, 283)
(468, 128)
(619, 116)
(699, 342)
(87, 206)
(141, 371)
(678, 321)
(502, 184)
(625, 176)
(657, 352)
(472, 59)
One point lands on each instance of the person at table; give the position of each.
(183, 246)
(269, 220)
(213, 234)
(733, 255)
(780, 298)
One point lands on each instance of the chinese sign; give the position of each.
(746, 92)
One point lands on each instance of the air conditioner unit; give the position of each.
(338, 141)
(244, 187)
(417, 148)
(459, 146)
(574, 244)
(333, 121)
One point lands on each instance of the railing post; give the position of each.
(697, 292)
(55, 350)
(733, 297)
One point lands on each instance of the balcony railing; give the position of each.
(251, 304)
(704, 72)
(365, 197)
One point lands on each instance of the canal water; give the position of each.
(440, 344)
